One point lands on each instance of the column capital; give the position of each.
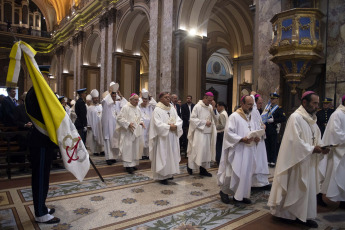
(78, 38)
(103, 21)
(112, 14)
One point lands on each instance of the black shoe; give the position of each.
(55, 220)
(189, 170)
(96, 154)
(102, 154)
(113, 160)
(203, 172)
(109, 162)
(171, 178)
(224, 197)
(309, 223)
(342, 205)
(129, 170)
(244, 201)
(267, 187)
(320, 200)
(165, 182)
(135, 168)
(51, 211)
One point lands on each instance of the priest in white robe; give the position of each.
(202, 136)
(111, 109)
(260, 167)
(94, 136)
(236, 165)
(146, 112)
(130, 128)
(297, 178)
(333, 185)
(165, 130)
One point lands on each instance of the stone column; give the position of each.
(103, 24)
(167, 46)
(77, 43)
(59, 80)
(266, 72)
(335, 56)
(154, 59)
(110, 42)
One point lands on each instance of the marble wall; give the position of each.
(335, 64)
(266, 73)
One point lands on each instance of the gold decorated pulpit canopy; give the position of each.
(296, 44)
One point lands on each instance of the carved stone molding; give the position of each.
(119, 14)
(112, 16)
(103, 21)
(78, 38)
(59, 50)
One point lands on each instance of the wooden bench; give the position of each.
(10, 147)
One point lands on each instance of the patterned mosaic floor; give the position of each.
(137, 202)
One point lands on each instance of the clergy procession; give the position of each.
(308, 163)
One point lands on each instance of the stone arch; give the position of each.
(68, 64)
(132, 49)
(131, 29)
(92, 50)
(222, 21)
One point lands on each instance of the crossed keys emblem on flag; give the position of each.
(72, 151)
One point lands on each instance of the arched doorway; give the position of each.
(132, 50)
(91, 62)
(68, 74)
(212, 27)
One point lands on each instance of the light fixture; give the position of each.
(119, 50)
(67, 17)
(192, 32)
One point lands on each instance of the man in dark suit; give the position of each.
(186, 110)
(174, 103)
(8, 105)
(81, 111)
(324, 114)
(275, 116)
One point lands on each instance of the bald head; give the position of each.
(247, 103)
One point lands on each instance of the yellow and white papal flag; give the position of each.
(56, 123)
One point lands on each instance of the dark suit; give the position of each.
(7, 108)
(81, 121)
(271, 140)
(41, 152)
(185, 116)
(20, 117)
(322, 118)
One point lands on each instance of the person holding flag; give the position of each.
(271, 117)
(52, 126)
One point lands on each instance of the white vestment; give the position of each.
(146, 113)
(110, 135)
(129, 145)
(94, 138)
(261, 171)
(297, 178)
(164, 143)
(334, 183)
(237, 161)
(201, 139)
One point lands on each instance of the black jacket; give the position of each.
(278, 117)
(7, 108)
(322, 118)
(185, 114)
(81, 111)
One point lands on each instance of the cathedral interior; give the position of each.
(186, 47)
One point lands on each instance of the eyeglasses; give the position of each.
(113, 93)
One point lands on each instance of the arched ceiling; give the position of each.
(227, 23)
(55, 10)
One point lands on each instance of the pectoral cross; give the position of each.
(250, 128)
(168, 114)
(313, 138)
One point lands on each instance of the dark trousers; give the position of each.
(271, 148)
(184, 140)
(40, 160)
(219, 145)
(82, 135)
